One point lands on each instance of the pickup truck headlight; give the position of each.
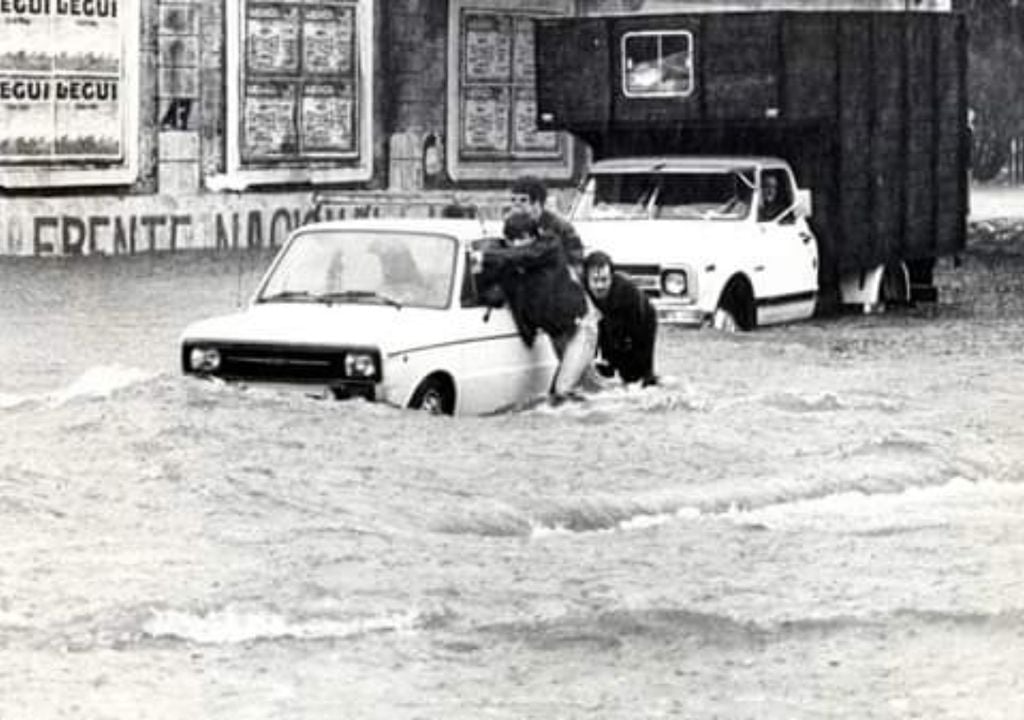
(673, 282)
(204, 360)
(360, 365)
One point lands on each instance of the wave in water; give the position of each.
(860, 510)
(232, 625)
(95, 383)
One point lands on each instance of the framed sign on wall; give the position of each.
(492, 104)
(300, 108)
(69, 93)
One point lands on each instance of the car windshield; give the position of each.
(718, 195)
(348, 266)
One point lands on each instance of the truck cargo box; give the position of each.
(870, 109)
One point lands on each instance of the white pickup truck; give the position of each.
(712, 240)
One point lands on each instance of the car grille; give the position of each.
(275, 363)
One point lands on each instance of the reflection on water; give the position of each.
(826, 516)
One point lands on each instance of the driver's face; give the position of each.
(599, 280)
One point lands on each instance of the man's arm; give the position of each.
(568, 237)
(540, 252)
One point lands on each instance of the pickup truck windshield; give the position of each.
(724, 195)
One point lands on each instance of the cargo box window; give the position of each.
(657, 64)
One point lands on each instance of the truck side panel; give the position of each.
(869, 108)
(921, 139)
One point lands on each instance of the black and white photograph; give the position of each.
(511, 359)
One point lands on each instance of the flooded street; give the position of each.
(822, 520)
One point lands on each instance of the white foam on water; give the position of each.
(234, 625)
(98, 382)
(671, 394)
(638, 521)
(909, 508)
(9, 400)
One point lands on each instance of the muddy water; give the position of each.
(824, 520)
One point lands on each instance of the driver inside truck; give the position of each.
(774, 198)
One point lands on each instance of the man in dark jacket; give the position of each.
(629, 323)
(530, 194)
(542, 295)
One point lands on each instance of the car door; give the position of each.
(788, 259)
(497, 370)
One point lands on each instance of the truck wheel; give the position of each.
(435, 395)
(735, 311)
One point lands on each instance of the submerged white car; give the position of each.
(712, 240)
(386, 310)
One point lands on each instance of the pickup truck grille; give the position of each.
(645, 277)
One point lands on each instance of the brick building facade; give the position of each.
(132, 126)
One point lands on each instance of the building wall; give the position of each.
(184, 182)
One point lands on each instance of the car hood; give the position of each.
(666, 242)
(388, 328)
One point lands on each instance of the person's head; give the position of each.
(528, 193)
(520, 228)
(597, 272)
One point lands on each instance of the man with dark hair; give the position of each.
(530, 194)
(629, 323)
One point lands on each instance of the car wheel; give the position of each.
(435, 395)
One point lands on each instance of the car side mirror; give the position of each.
(804, 205)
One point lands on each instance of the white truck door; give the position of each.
(788, 268)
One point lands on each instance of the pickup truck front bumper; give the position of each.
(681, 314)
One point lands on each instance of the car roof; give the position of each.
(462, 229)
(684, 163)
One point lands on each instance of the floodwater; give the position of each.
(823, 520)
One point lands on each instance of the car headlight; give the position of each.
(202, 359)
(673, 282)
(360, 365)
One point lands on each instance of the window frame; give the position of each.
(506, 167)
(660, 35)
(357, 166)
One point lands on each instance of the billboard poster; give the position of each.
(498, 101)
(488, 48)
(328, 119)
(527, 140)
(269, 120)
(62, 82)
(485, 113)
(300, 94)
(523, 67)
(272, 38)
(328, 34)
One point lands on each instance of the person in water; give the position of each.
(535, 279)
(629, 323)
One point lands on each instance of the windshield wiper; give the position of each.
(359, 295)
(289, 296)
